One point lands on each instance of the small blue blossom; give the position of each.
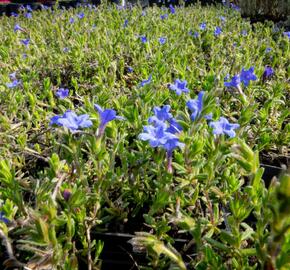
(28, 8)
(130, 69)
(65, 49)
(195, 34)
(160, 115)
(45, 7)
(71, 20)
(25, 42)
(3, 218)
(286, 34)
(143, 39)
(268, 73)
(202, 26)
(174, 126)
(217, 31)
(144, 82)
(208, 116)
(222, 126)
(172, 9)
(222, 18)
(28, 15)
(268, 50)
(81, 15)
(125, 23)
(106, 116)
(163, 17)
(156, 135)
(235, 82)
(235, 7)
(195, 106)
(12, 76)
(62, 93)
(244, 33)
(14, 14)
(72, 121)
(247, 75)
(179, 87)
(162, 40)
(13, 84)
(171, 144)
(17, 27)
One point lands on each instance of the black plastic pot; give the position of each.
(118, 253)
(270, 172)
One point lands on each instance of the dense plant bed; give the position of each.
(151, 123)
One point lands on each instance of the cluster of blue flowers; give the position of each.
(244, 77)
(163, 132)
(163, 128)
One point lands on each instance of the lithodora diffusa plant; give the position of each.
(151, 122)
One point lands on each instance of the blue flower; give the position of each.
(130, 69)
(217, 31)
(25, 42)
(195, 34)
(3, 218)
(125, 23)
(17, 27)
(71, 20)
(244, 33)
(62, 93)
(14, 14)
(143, 39)
(235, 82)
(174, 126)
(195, 106)
(247, 75)
(28, 8)
(208, 116)
(222, 126)
(156, 135)
(81, 15)
(222, 18)
(106, 116)
(72, 121)
(144, 82)
(162, 40)
(268, 73)
(13, 84)
(28, 15)
(286, 34)
(160, 115)
(202, 26)
(163, 17)
(268, 50)
(12, 76)
(179, 87)
(235, 7)
(172, 9)
(171, 144)
(65, 49)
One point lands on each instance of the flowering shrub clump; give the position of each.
(148, 122)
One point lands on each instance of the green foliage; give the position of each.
(58, 187)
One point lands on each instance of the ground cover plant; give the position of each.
(151, 122)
